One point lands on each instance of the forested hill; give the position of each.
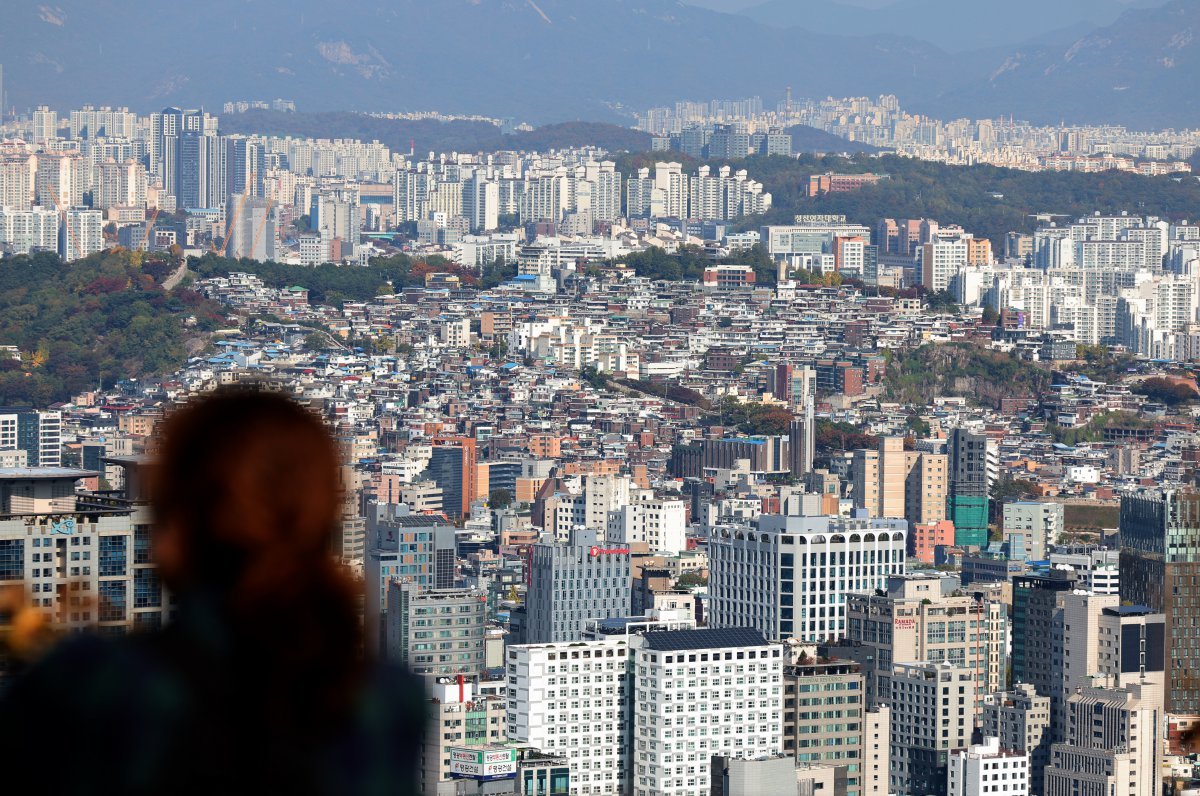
(985, 200)
(95, 320)
(428, 135)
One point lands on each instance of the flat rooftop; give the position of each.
(43, 473)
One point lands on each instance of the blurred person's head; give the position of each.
(246, 498)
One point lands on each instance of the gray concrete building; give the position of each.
(437, 632)
(574, 582)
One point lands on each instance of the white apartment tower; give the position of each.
(699, 693)
(570, 699)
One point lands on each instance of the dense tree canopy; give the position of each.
(335, 284)
(92, 321)
(985, 200)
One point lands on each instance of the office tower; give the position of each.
(879, 479)
(83, 559)
(1020, 719)
(968, 500)
(764, 454)
(245, 165)
(452, 467)
(38, 433)
(572, 583)
(200, 174)
(1037, 632)
(402, 546)
(931, 718)
(788, 577)
(436, 632)
(911, 620)
(1160, 569)
(464, 715)
(81, 233)
(988, 768)
(45, 126)
(688, 705)
(826, 722)
(802, 441)
(573, 699)
(252, 231)
(1080, 644)
(1030, 527)
(1131, 644)
(1112, 744)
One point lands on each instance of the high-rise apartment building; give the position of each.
(1037, 632)
(789, 577)
(33, 229)
(879, 479)
(572, 583)
(894, 482)
(573, 699)
(81, 233)
(932, 710)
(1030, 527)
(700, 693)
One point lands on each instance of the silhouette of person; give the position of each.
(258, 685)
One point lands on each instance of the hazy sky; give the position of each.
(740, 5)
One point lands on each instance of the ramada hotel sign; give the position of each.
(608, 551)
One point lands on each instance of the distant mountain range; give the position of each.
(560, 60)
(953, 25)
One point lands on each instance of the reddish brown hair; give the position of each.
(246, 496)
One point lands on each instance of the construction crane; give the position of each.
(150, 227)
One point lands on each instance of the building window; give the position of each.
(112, 556)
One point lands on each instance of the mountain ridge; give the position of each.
(556, 60)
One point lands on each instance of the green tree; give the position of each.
(500, 499)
